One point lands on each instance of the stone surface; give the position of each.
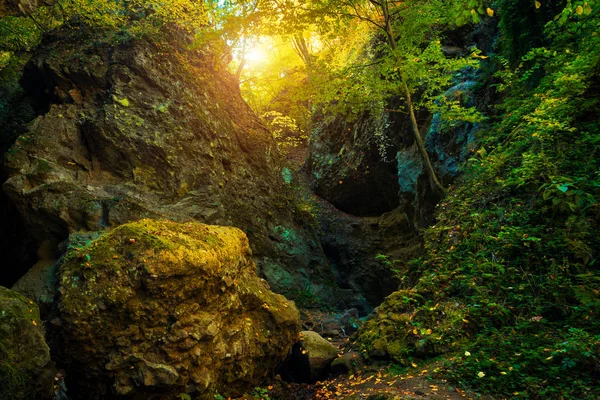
(162, 307)
(349, 363)
(131, 131)
(26, 371)
(350, 167)
(310, 359)
(354, 246)
(371, 171)
(39, 283)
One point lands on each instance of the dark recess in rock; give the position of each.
(17, 248)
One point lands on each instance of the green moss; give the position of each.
(43, 167)
(286, 234)
(15, 364)
(286, 175)
(124, 101)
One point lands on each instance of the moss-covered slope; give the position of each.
(509, 285)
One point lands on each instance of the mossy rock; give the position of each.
(159, 306)
(405, 325)
(26, 371)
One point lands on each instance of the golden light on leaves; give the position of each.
(538, 4)
(489, 12)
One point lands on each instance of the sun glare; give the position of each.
(255, 55)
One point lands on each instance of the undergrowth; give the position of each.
(508, 287)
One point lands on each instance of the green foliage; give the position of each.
(285, 130)
(532, 359)
(510, 272)
(470, 11)
(375, 69)
(115, 20)
(260, 393)
(391, 265)
(522, 25)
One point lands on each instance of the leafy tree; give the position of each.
(404, 59)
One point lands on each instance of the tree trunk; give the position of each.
(434, 182)
(433, 179)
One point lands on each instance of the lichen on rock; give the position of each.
(166, 307)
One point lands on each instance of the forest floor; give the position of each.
(379, 380)
(376, 381)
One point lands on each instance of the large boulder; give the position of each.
(159, 307)
(26, 371)
(128, 130)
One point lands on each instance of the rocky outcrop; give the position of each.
(351, 164)
(371, 170)
(370, 166)
(320, 353)
(26, 371)
(368, 254)
(126, 130)
(165, 308)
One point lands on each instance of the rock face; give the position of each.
(127, 130)
(26, 371)
(371, 170)
(162, 307)
(371, 166)
(355, 245)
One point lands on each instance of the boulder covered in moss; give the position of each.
(408, 325)
(162, 308)
(26, 371)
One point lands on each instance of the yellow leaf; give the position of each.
(415, 331)
(579, 10)
(490, 12)
(429, 331)
(34, 323)
(538, 4)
